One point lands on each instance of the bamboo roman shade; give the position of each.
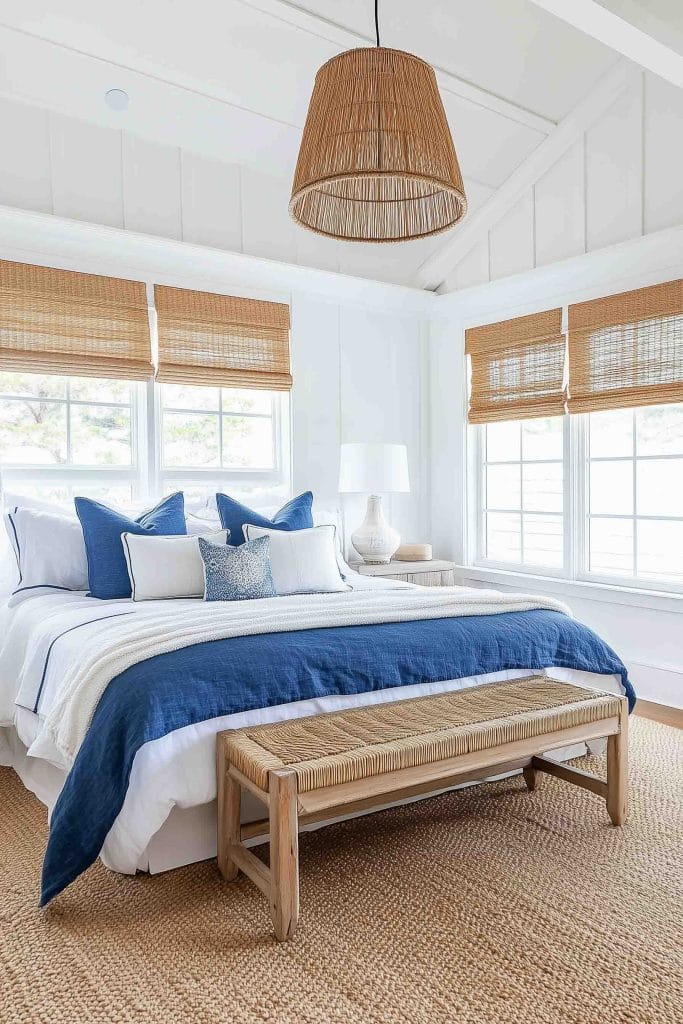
(205, 338)
(61, 322)
(627, 350)
(517, 368)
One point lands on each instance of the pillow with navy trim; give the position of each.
(102, 530)
(303, 561)
(295, 515)
(164, 568)
(49, 552)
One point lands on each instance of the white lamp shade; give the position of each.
(372, 468)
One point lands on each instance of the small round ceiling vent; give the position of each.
(116, 99)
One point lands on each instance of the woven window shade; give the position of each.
(517, 368)
(627, 350)
(61, 322)
(212, 339)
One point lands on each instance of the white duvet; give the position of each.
(58, 653)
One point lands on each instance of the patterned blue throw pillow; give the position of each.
(237, 574)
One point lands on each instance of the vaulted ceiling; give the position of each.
(231, 79)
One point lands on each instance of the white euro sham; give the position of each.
(49, 550)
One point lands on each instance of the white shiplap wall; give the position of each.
(74, 168)
(620, 180)
(359, 375)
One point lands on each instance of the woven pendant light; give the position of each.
(377, 161)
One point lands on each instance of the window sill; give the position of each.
(606, 593)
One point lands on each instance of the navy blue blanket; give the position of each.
(223, 677)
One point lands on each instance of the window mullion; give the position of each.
(68, 422)
(521, 501)
(481, 453)
(576, 503)
(220, 428)
(153, 439)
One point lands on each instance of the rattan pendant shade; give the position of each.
(377, 161)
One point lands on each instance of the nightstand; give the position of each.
(438, 572)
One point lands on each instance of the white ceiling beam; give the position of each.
(345, 39)
(436, 268)
(602, 24)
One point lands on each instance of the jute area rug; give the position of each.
(482, 906)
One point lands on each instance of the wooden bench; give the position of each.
(312, 769)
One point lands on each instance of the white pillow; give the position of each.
(325, 517)
(49, 550)
(303, 561)
(166, 567)
(322, 516)
(199, 524)
(9, 573)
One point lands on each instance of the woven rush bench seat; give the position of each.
(312, 769)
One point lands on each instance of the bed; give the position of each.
(109, 709)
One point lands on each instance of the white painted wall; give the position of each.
(619, 180)
(646, 631)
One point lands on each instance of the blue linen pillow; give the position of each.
(295, 515)
(102, 528)
(239, 573)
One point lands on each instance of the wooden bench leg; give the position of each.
(617, 770)
(530, 777)
(284, 853)
(229, 801)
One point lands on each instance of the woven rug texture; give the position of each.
(490, 905)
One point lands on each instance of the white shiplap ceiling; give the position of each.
(507, 47)
(232, 78)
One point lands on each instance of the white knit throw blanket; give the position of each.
(134, 638)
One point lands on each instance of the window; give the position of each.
(635, 493)
(219, 437)
(123, 441)
(595, 493)
(522, 491)
(217, 418)
(626, 472)
(60, 436)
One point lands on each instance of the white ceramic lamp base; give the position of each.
(374, 540)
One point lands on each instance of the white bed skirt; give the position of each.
(169, 815)
(189, 834)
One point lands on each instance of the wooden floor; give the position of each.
(660, 713)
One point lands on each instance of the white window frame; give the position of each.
(277, 476)
(16, 474)
(146, 473)
(576, 517)
(478, 534)
(583, 574)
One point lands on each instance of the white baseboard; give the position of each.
(657, 683)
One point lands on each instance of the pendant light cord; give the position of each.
(379, 106)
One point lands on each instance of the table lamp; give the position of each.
(372, 468)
